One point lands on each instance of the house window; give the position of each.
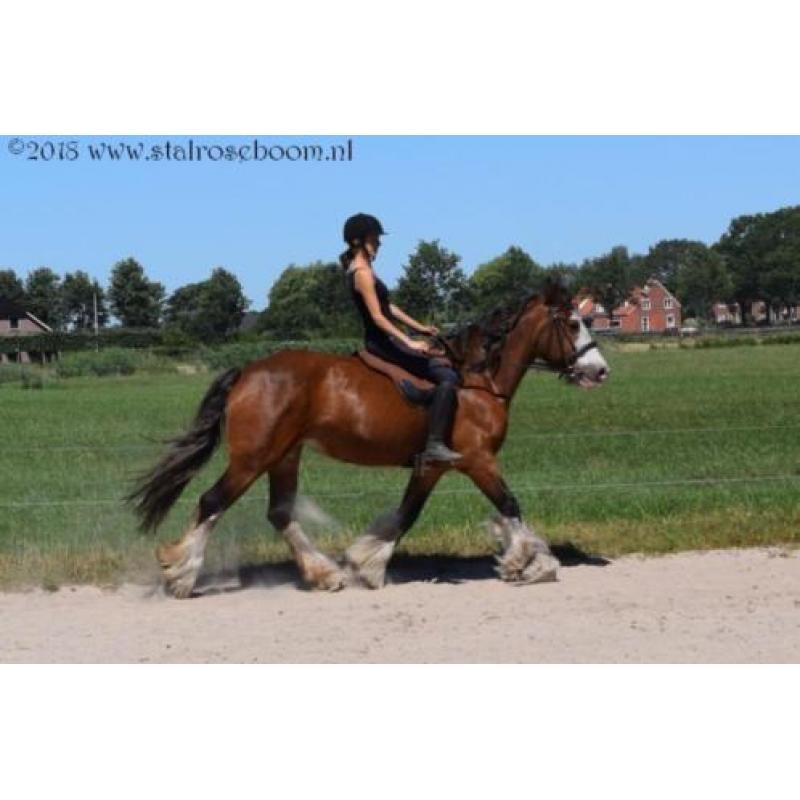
(670, 320)
(645, 323)
(667, 302)
(13, 323)
(645, 305)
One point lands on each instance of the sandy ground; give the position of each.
(723, 606)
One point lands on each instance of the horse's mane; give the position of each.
(484, 336)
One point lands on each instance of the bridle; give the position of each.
(559, 329)
(558, 317)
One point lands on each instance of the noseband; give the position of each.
(559, 330)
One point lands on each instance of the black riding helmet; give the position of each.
(359, 226)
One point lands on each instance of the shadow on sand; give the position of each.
(402, 569)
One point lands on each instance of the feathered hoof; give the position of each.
(324, 575)
(178, 568)
(367, 559)
(543, 568)
(369, 578)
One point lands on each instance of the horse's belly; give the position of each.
(386, 445)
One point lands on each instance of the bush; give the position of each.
(241, 353)
(82, 341)
(114, 361)
(39, 379)
(11, 373)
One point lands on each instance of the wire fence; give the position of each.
(59, 447)
(556, 487)
(373, 490)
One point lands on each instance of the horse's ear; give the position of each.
(555, 294)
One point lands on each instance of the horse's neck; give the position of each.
(515, 355)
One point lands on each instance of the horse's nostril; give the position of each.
(602, 373)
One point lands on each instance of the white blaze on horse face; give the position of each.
(591, 364)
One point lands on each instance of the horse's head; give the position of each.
(561, 340)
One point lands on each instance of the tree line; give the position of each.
(756, 259)
(208, 310)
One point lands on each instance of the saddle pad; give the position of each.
(396, 373)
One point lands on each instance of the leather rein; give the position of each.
(557, 329)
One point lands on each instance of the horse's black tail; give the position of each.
(158, 489)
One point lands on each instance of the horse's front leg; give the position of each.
(369, 556)
(526, 557)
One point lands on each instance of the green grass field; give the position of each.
(682, 449)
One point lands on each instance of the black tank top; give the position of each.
(371, 331)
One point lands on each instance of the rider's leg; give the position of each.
(441, 415)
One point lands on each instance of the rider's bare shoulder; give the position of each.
(360, 262)
(363, 277)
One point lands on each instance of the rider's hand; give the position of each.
(422, 347)
(431, 330)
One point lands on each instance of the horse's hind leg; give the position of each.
(369, 556)
(316, 569)
(181, 561)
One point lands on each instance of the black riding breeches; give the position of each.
(417, 363)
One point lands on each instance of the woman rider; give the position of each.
(385, 339)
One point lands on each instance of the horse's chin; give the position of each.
(584, 382)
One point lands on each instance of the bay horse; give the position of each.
(274, 406)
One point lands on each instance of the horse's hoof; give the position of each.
(180, 588)
(323, 573)
(333, 581)
(179, 569)
(367, 559)
(543, 568)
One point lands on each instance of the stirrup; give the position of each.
(436, 453)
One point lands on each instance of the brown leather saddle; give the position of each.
(418, 391)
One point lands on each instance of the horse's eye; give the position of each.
(574, 325)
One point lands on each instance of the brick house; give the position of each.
(725, 314)
(592, 312)
(651, 308)
(15, 321)
(730, 314)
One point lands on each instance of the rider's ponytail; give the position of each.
(346, 258)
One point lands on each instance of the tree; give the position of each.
(135, 300)
(510, 276)
(43, 296)
(433, 286)
(780, 284)
(11, 286)
(611, 277)
(78, 293)
(225, 302)
(692, 271)
(762, 254)
(702, 280)
(183, 308)
(308, 301)
(209, 310)
(664, 259)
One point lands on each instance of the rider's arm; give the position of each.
(365, 284)
(410, 321)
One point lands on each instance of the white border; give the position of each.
(352, 68)
(357, 68)
(399, 732)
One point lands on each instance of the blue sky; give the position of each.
(560, 198)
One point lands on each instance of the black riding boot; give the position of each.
(440, 423)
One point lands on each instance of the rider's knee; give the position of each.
(444, 375)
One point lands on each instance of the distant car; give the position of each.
(689, 331)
